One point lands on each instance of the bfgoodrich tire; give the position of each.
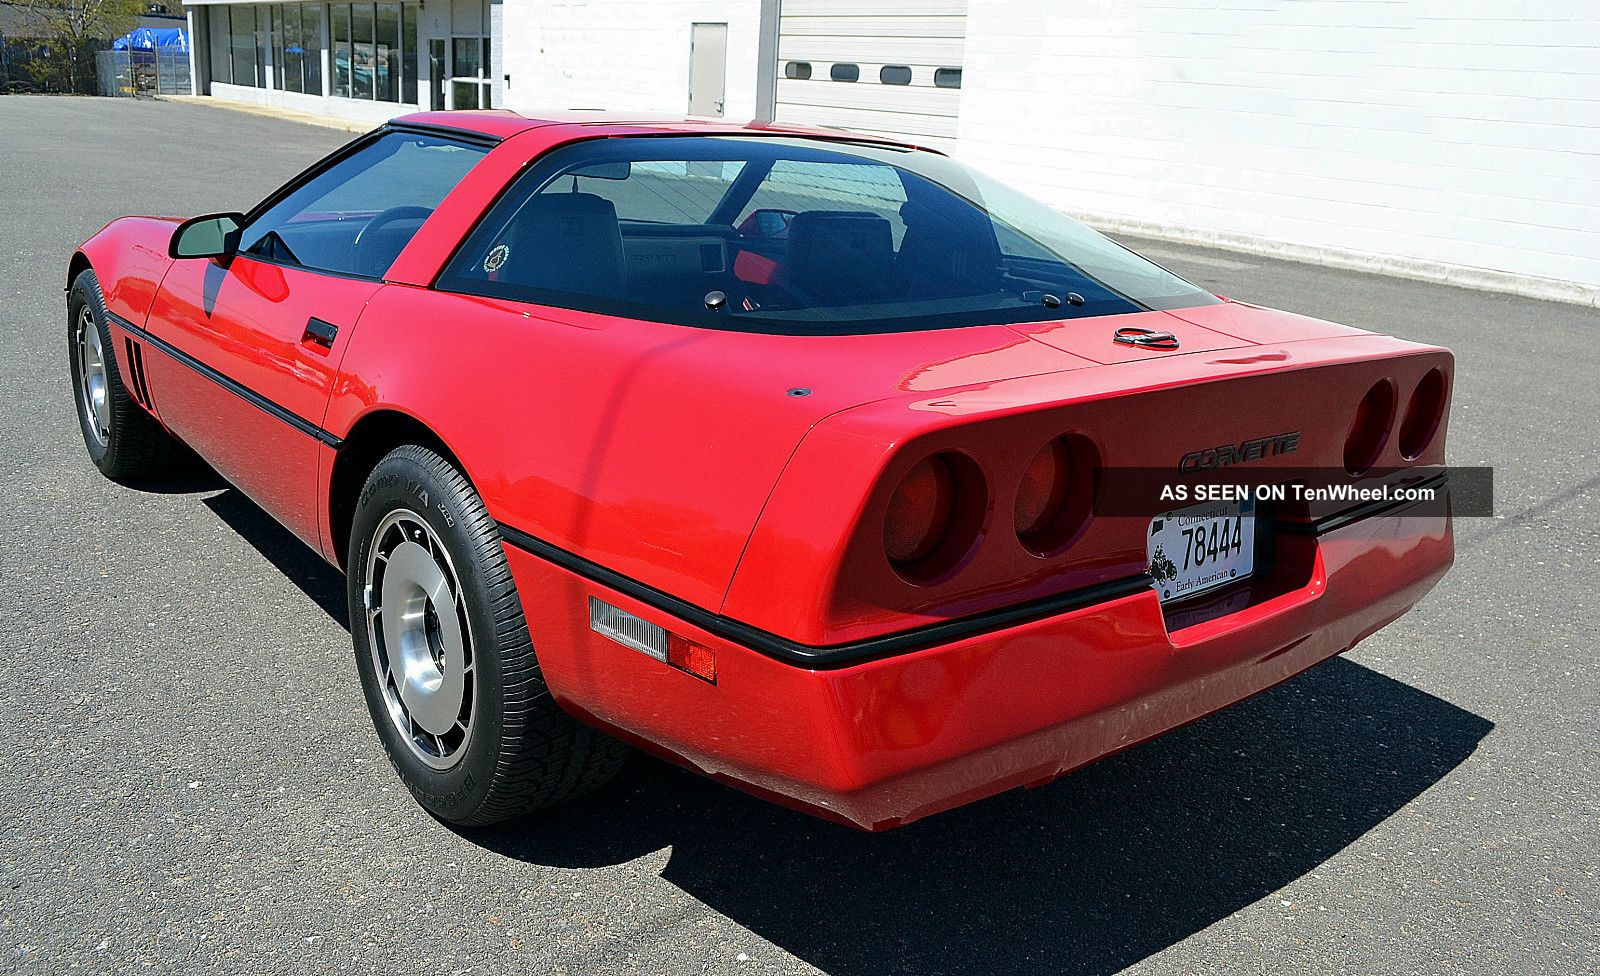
(123, 441)
(446, 664)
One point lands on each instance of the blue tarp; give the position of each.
(150, 38)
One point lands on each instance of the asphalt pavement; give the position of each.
(190, 783)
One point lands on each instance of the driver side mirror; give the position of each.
(210, 236)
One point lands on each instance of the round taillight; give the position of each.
(1370, 431)
(1053, 498)
(920, 511)
(1043, 489)
(1423, 414)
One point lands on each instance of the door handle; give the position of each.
(320, 333)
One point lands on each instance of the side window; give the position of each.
(801, 185)
(356, 216)
(600, 228)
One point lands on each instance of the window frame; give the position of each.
(474, 140)
(481, 82)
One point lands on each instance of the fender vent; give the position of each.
(141, 390)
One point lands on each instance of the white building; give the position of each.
(364, 61)
(1448, 139)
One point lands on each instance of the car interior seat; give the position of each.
(947, 252)
(568, 242)
(838, 257)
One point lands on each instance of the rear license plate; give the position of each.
(1202, 547)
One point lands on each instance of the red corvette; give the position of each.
(774, 451)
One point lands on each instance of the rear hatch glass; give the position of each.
(795, 236)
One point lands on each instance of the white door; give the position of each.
(708, 69)
(873, 65)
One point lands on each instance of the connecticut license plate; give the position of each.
(1201, 547)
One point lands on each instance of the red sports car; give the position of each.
(778, 452)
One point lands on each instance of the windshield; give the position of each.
(795, 235)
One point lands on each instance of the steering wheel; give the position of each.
(368, 232)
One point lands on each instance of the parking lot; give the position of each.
(192, 783)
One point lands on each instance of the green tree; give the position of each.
(69, 28)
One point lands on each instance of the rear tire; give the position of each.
(447, 667)
(124, 442)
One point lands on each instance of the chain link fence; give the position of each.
(131, 74)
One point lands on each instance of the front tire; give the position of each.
(446, 663)
(124, 442)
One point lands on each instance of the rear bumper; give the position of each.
(884, 742)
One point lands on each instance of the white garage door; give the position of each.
(890, 66)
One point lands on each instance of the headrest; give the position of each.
(564, 242)
(948, 251)
(839, 257)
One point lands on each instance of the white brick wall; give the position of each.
(628, 55)
(1440, 132)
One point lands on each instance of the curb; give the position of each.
(272, 112)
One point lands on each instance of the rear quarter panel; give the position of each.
(611, 439)
(647, 448)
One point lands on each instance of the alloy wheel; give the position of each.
(420, 638)
(94, 396)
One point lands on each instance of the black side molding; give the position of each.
(821, 657)
(238, 389)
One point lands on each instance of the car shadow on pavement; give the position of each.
(1086, 876)
(294, 559)
(188, 475)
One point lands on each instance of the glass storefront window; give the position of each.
(311, 39)
(466, 57)
(263, 39)
(339, 39)
(363, 60)
(388, 69)
(220, 45)
(291, 52)
(469, 69)
(408, 46)
(371, 48)
(242, 44)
